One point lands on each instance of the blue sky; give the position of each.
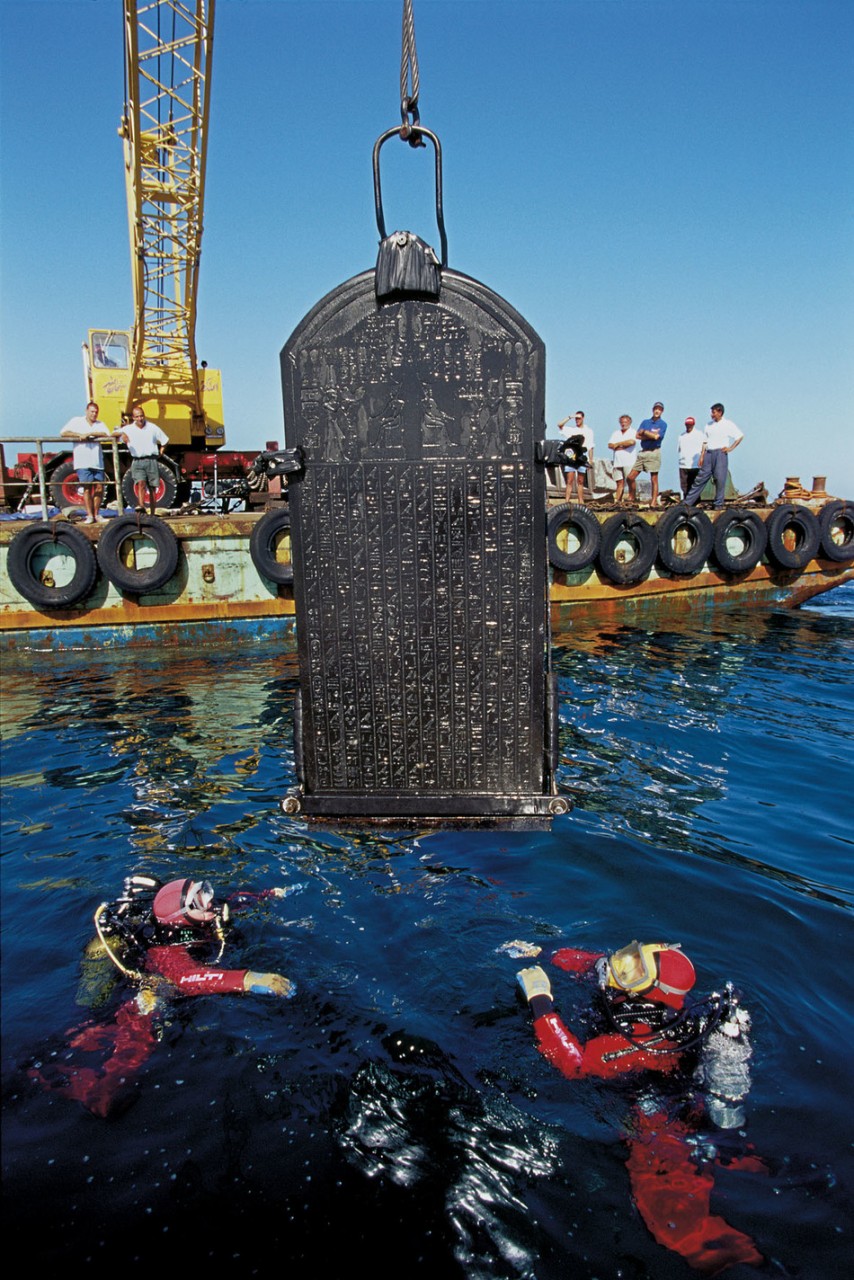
(663, 188)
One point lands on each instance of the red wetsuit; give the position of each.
(188, 976)
(124, 1042)
(607, 1055)
(672, 1193)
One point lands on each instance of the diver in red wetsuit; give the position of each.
(168, 940)
(647, 1026)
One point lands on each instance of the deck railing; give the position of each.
(40, 479)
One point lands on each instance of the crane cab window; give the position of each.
(110, 350)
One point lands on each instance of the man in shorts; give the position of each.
(650, 436)
(145, 441)
(88, 457)
(579, 460)
(623, 445)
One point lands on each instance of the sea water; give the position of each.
(395, 1117)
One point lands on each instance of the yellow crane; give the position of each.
(164, 129)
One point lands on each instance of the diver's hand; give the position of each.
(269, 984)
(534, 982)
(518, 949)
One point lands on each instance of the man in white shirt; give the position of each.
(689, 447)
(579, 458)
(145, 441)
(624, 446)
(722, 436)
(88, 457)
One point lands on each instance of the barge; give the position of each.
(678, 559)
(199, 578)
(215, 591)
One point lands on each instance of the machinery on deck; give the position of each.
(164, 130)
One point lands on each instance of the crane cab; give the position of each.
(165, 391)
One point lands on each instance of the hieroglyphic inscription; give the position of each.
(420, 616)
(414, 380)
(418, 544)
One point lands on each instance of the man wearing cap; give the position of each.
(722, 436)
(689, 446)
(650, 436)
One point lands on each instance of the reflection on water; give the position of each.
(396, 1111)
(427, 1129)
(656, 725)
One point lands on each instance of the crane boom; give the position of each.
(167, 47)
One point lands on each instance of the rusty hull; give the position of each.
(216, 581)
(671, 595)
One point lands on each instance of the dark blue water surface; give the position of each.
(395, 1117)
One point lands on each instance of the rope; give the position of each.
(410, 80)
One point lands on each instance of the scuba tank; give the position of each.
(116, 949)
(724, 1069)
(98, 974)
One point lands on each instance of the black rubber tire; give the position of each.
(632, 528)
(138, 582)
(702, 531)
(571, 515)
(64, 486)
(263, 551)
(19, 565)
(839, 515)
(807, 536)
(753, 532)
(167, 489)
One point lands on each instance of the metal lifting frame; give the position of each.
(168, 49)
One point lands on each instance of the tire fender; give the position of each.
(633, 529)
(792, 521)
(753, 535)
(837, 518)
(138, 581)
(28, 583)
(262, 547)
(700, 530)
(583, 522)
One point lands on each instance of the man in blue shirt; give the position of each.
(650, 434)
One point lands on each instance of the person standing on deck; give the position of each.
(651, 434)
(88, 457)
(623, 445)
(722, 436)
(578, 453)
(145, 441)
(689, 447)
